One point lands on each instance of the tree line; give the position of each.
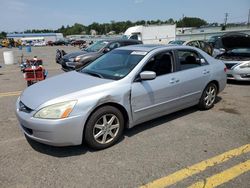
(120, 27)
(116, 27)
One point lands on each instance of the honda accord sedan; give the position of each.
(121, 89)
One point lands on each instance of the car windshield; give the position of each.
(114, 65)
(96, 46)
(178, 42)
(213, 38)
(125, 36)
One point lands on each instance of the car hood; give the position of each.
(235, 41)
(59, 86)
(82, 54)
(74, 54)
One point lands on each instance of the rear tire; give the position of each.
(104, 127)
(208, 97)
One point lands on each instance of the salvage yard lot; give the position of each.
(147, 152)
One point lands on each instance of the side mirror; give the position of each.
(106, 50)
(202, 61)
(147, 75)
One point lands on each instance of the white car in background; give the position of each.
(40, 43)
(236, 55)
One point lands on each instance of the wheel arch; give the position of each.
(216, 83)
(113, 104)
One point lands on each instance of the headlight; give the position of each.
(71, 59)
(77, 59)
(56, 111)
(245, 65)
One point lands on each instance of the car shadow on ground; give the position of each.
(57, 151)
(159, 121)
(164, 119)
(235, 82)
(69, 151)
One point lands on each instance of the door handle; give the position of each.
(174, 80)
(205, 71)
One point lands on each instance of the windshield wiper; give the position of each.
(93, 74)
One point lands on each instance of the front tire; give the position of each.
(104, 127)
(208, 97)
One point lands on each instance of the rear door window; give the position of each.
(189, 59)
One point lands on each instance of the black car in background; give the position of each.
(77, 60)
(61, 42)
(78, 42)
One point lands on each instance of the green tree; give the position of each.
(3, 35)
(118, 27)
(191, 22)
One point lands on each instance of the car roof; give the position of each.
(151, 47)
(121, 40)
(142, 47)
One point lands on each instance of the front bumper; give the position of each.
(67, 65)
(236, 74)
(62, 132)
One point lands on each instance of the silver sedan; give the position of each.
(121, 89)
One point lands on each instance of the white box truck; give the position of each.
(152, 34)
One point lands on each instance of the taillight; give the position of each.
(225, 69)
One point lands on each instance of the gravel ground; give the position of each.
(147, 152)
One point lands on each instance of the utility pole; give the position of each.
(248, 22)
(182, 30)
(226, 16)
(225, 23)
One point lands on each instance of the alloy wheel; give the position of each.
(210, 96)
(106, 128)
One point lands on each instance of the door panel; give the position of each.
(153, 98)
(194, 75)
(193, 82)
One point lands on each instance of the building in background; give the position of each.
(36, 36)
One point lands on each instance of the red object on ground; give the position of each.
(34, 74)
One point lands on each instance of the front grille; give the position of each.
(230, 75)
(230, 65)
(24, 108)
(245, 75)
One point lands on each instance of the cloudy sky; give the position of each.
(19, 15)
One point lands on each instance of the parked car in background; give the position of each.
(78, 42)
(59, 55)
(205, 46)
(61, 42)
(235, 53)
(49, 43)
(76, 60)
(177, 42)
(39, 43)
(121, 89)
(213, 40)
